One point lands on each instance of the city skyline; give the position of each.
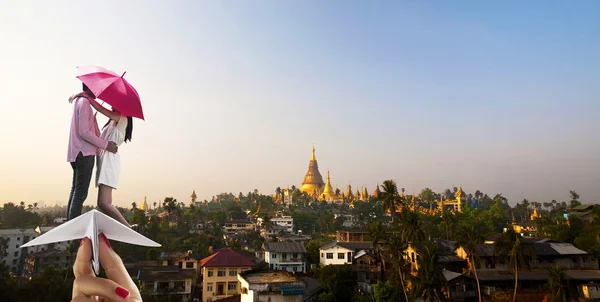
(428, 94)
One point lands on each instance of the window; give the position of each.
(189, 265)
(273, 255)
(233, 272)
(209, 287)
(284, 256)
(232, 286)
(294, 256)
(209, 299)
(18, 238)
(57, 259)
(210, 272)
(244, 290)
(17, 246)
(221, 272)
(17, 254)
(321, 255)
(295, 268)
(340, 255)
(329, 255)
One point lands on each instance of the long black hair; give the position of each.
(128, 129)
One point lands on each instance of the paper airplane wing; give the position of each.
(71, 230)
(115, 230)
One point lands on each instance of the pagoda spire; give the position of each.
(313, 181)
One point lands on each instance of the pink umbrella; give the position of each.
(113, 89)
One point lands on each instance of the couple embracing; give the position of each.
(87, 145)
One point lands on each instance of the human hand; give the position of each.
(87, 287)
(112, 147)
(73, 97)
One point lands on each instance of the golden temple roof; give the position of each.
(376, 192)
(313, 181)
(144, 205)
(328, 192)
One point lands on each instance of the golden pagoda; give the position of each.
(376, 192)
(313, 181)
(328, 192)
(535, 214)
(193, 197)
(364, 195)
(349, 194)
(144, 206)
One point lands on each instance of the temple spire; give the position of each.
(313, 181)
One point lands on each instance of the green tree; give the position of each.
(469, 236)
(389, 197)
(556, 284)
(510, 246)
(429, 281)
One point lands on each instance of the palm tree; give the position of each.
(396, 248)
(377, 233)
(389, 197)
(555, 282)
(510, 245)
(429, 280)
(470, 236)
(411, 230)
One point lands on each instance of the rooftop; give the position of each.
(349, 245)
(267, 276)
(284, 247)
(165, 273)
(226, 258)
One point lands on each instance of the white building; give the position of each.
(273, 286)
(285, 255)
(340, 253)
(11, 253)
(284, 221)
(236, 226)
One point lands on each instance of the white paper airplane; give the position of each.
(90, 225)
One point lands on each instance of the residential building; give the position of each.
(590, 291)
(285, 255)
(340, 253)
(584, 212)
(368, 271)
(352, 236)
(36, 262)
(284, 221)
(273, 286)
(165, 280)
(219, 274)
(235, 226)
(11, 253)
(447, 258)
(460, 287)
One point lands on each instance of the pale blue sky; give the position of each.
(500, 97)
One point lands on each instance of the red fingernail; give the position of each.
(121, 292)
(82, 241)
(105, 239)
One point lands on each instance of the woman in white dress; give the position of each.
(118, 129)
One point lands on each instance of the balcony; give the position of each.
(291, 260)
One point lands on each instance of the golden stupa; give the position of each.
(328, 192)
(144, 206)
(376, 192)
(313, 181)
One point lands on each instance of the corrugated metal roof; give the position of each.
(284, 247)
(566, 249)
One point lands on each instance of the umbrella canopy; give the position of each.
(113, 89)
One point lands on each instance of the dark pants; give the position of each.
(82, 175)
